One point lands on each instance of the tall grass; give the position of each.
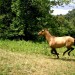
(30, 47)
(25, 46)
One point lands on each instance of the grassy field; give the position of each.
(33, 58)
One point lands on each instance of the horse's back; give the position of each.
(61, 41)
(69, 38)
(65, 38)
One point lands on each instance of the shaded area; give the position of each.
(64, 59)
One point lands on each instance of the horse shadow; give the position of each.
(64, 59)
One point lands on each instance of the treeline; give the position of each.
(22, 19)
(66, 24)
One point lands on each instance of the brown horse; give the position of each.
(57, 42)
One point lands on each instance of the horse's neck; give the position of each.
(48, 36)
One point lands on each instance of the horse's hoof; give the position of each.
(57, 57)
(63, 54)
(68, 54)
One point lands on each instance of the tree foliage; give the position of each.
(22, 19)
(66, 24)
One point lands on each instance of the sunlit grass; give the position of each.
(33, 58)
(25, 46)
(30, 47)
(13, 63)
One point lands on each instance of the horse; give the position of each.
(58, 42)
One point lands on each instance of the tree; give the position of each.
(71, 19)
(5, 14)
(30, 15)
(23, 18)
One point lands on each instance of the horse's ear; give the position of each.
(43, 30)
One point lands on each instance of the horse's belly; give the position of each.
(59, 45)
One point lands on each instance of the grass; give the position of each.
(29, 58)
(27, 47)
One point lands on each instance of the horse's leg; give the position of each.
(53, 51)
(70, 50)
(66, 51)
(56, 53)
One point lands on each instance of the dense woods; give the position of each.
(22, 19)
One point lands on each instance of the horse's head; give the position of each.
(42, 32)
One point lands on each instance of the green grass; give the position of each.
(33, 58)
(27, 47)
